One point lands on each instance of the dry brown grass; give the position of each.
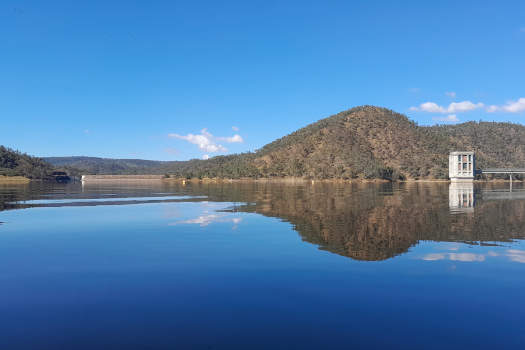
(13, 180)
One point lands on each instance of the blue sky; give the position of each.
(137, 79)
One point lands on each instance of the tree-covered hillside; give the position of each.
(373, 142)
(95, 165)
(14, 163)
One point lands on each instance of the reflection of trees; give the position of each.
(370, 222)
(361, 221)
(9, 194)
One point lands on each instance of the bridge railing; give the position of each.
(503, 171)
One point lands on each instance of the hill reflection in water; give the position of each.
(370, 222)
(361, 221)
(377, 222)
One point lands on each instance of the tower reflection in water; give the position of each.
(461, 197)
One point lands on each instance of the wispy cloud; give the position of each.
(454, 107)
(517, 106)
(235, 128)
(451, 118)
(204, 141)
(522, 29)
(450, 94)
(233, 139)
(207, 142)
(414, 90)
(513, 106)
(430, 107)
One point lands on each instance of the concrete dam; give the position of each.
(102, 178)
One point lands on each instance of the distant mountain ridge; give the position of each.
(363, 142)
(96, 165)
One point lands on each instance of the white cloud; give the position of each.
(233, 139)
(207, 142)
(235, 128)
(206, 156)
(510, 107)
(204, 141)
(450, 94)
(492, 108)
(430, 107)
(451, 118)
(454, 107)
(465, 106)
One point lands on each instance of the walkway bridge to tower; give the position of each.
(462, 167)
(509, 171)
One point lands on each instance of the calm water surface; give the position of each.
(262, 266)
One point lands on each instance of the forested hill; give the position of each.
(95, 165)
(363, 142)
(370, 142)
(374, 142)
(13, 163)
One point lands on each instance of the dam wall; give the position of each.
(100, 178)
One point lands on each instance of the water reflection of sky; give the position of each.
(210, 213)
(113, 198)
(513, 252)
(261, 268)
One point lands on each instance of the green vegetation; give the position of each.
(93, 165)
(364, 142)
(14, 163)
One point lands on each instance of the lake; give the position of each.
(262, 266)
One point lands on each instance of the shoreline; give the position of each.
(302, 180)
(289, 180)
